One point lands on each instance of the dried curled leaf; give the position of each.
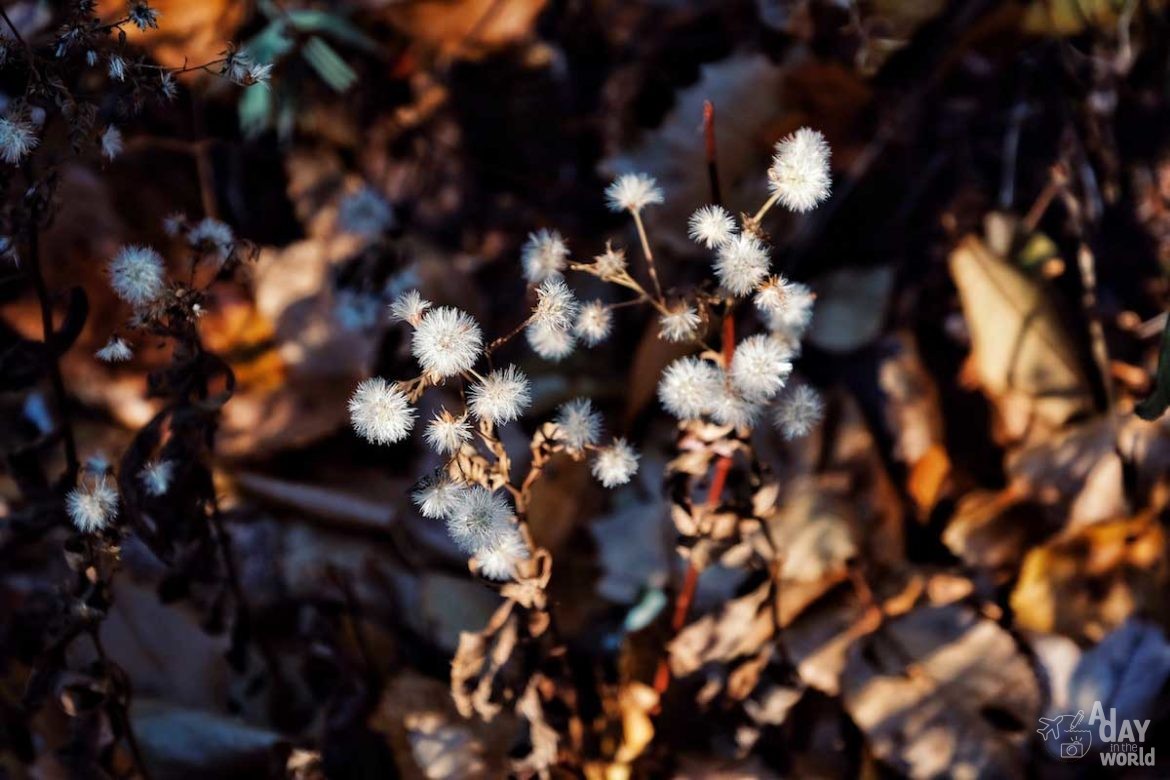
(941, 691)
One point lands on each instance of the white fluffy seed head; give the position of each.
(17, 138)
(501, 397)
(156, 477)
(556, 307)
(380, 412)
(578, 424)
(479, 519)
(632, 192)
(92, 504)
(438, 497)
(760, 367)
(798, 412)
(680, 323)
(447, 342)
(594, 322)
(794, 316)
(615, 464)
(730, 408)
(446, 433)
(550, 343)
(498, 560)
(365, 212)
(213, 238)
(410, 307)
(111, 142)
(136, 274)
(741, 263)
(116, 350)
(610, 264)
(544, 256)
(711, 226)
(688, 387)
(799, 174)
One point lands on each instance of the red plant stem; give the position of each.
(686, 595)
(709, 142)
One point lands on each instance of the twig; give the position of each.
(648, 254)
(72, 464)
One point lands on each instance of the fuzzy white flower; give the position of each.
(796, 313)
(798, 412)
(501, 397)
(143, 16)
(578, 424)
(116, 350)
(730, 408)
(167, 85)
(594, 323)
(117, 68)
(446, 433)
(410, 307)
(610, 264)
(544, 256)
(92, 505)
(136, 274)
(438, 497)
(365, 213)
(258, 74)
(799, 175)
(774, 295)
(688, 387)
(479, 519)
(741, 263)
(17, 138)
(760, 367)
(550, 343)
(556, 307)
(111, 142)
(711, 226)
(236, 66)
(632, 192)
(497, 561)
(213, 238)
(615, 464)
(447, 342)
(156, 476)
(680, 323)
(380, 412)
(173, 223)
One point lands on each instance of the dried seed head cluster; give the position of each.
(799, 176)
(380, 412)
(93, 504)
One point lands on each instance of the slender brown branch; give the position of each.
(709, 143)
(54, 365)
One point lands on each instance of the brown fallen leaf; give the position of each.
(941, 692)
(1088, 581)
(1025, 361)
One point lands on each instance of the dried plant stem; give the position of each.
(58, 381)
(1096, 331)
(648, 254)
(768, 204)
(506, 337)
(119, 712)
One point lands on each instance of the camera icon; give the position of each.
(1075, 745)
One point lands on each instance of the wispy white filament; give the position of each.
(446, 433)
(92, 504)
(594, 322)
(498, 560)
(680, 323)
(116, 350)
(798, 412)
(409, 307)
